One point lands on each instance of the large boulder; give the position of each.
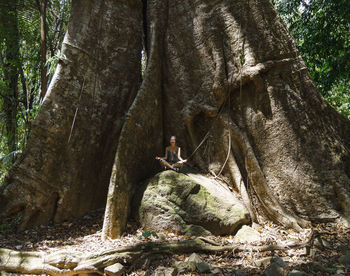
(189, 204)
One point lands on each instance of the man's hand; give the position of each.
(157, 158)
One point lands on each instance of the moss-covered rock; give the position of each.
(177, 202)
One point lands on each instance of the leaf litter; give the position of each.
(84, 236)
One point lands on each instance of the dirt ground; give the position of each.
(84, 235)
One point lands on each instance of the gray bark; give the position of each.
(65, 168)
(289, 154)
(228, 67)
(141, 136)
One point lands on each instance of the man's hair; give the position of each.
(173, 137)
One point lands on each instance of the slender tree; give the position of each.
(43, 47)
(10, 65)
(23, 61)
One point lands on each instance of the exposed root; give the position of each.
(239, 182)
(270, 204)
(64, 263)
(209, 241)
(228, 154)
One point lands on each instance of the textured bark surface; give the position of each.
(141, 136)
(228, 67)
(234, 66)
(65, 169)
(43, 48)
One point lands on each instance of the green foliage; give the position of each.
(5, 228)
(9, 225)
(339, 97)
(5, 160)
(27, 16)
(321, 29)
(147, 235)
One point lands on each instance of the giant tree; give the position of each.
(229, 68)
(73, 139)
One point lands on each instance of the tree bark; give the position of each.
(43, 48)
(141, 136)
(233, 69)
(65, 168)
(230, 68)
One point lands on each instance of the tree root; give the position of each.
(65, 263)
(272, 208)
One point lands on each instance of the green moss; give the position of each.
(180, 200)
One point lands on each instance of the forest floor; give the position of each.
(326, 257)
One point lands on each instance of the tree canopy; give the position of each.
(321, 30)
(25, 33)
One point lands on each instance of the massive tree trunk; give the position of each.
(229, 68)
(65, 168)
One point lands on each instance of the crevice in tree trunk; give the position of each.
(197, 127)
(145, 26)
(56, 200)
(163, 67)
(138, 130)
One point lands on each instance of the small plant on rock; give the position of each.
(147, 235)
